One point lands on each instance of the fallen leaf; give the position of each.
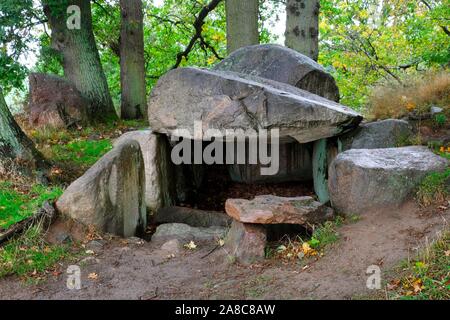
(221, 242)
(93, 276)
(393, 284)
(90, 252)
(306, 248)
(191, 245)
(447, 253)
(417, 286)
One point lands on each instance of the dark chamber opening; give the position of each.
(216, 187)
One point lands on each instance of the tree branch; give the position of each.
(198, 26)
(444, 28)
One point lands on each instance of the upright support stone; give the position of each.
(246, 242)
(320, 170)
(159, 173)
(111, 195)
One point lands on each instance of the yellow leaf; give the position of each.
(306, 248)
(191, 245)
(417, 285)
(93, 276)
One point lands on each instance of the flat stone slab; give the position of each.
(225, 100)
(284, 65)
(361, 179)
(278, 210)
(184, 232)
(192, 217)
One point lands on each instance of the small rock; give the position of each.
(435, 110)
(135, 241)
(89, 261)
(95, 245)
(63, 238)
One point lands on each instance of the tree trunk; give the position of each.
(132, 63)
(242, 23)
(302, 26)
(15, 146)
(81, 60)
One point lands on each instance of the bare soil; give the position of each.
(143, 271)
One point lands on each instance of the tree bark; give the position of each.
(81, 60)
(242, 23)
(302, 27)
(132, 62)
(15, 146)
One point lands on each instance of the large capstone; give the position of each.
(110, 195)
(284, 65)
(55, 102)
(362, 179)
(224, 100)
(159, 173)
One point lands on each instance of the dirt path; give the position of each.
(144, 272)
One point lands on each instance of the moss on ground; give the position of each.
(18, 202)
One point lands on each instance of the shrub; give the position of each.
(433, 188)
(28, 255)
(394, 100)
(440, 120)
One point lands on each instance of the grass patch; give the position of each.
(428, 276)
(19, 202)
(29, 256)
(433, 188)
(416, 95)
(81, 152)
(326, 234)
(298, 249)
(73, 151)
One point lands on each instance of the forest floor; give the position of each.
(390, 239)
(410, 245)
